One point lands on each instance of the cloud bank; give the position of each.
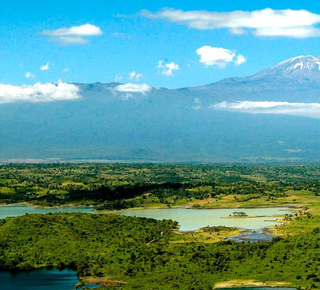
(265, 22)
(282, 108)
(128, 90)
(74, 34)
(133, 88)
(218, 56)
(38, 93)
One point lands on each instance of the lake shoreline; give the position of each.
(250, 228)
(69, 205)
(199, 208)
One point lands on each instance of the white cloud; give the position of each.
(160, 64)
(135, 76)
(65, 70)
(118, 78)
(82, 30)
(240, 59)
(290, 150)
(66, 40)
(197, 102)
(133, 88)
(29, 75)
(168, 68)
(219, 56)
(38, 93)
(45, 67)
(74, 34)
(282, 108)
(265, 22)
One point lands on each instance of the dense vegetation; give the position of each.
(150, 254)
(139, 252)
(117, 186)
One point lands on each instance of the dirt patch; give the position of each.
(104, 281)
(249, 283)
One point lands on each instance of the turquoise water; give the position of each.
(188, 219)
(193, 219)
(16, 210)
(39, 280)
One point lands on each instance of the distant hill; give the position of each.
(178, 125)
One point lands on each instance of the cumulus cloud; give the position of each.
(240, 59)
(38, 93)
(133, 88)
(282, 108)
(265, 22)
(74, 34)
(219, 56)
(135, 76)
(82, 30)
(168, 68)
(45, 67)
(29, 75)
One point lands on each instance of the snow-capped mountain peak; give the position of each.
(300, 68)
(300, 62)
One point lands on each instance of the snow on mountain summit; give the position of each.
(300, 68)
(300, 63)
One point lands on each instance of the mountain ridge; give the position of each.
(170, 125)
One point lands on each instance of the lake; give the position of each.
(193, 219)
(17, 210)
(188, 219)
(39, 280)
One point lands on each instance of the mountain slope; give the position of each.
(171, 125)
(301, 69)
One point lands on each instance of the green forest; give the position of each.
(140, 253)
(118, 186)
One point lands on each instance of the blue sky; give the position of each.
(125, 40)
